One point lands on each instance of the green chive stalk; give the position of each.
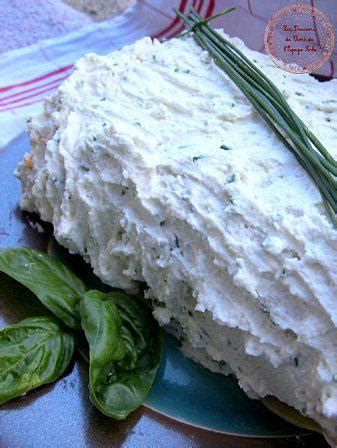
(269, 102)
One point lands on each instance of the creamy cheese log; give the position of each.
(152, 165)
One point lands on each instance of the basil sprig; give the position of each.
(125, 342)
(51, 281)
(125, 351)
(33, 352)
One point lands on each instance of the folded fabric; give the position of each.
(24, 23)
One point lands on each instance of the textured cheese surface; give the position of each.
(151, 164)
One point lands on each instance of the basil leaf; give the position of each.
(52, 282)
(125, 351)
(142, 333)
(33, 352)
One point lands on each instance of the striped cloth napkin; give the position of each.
(29, 74)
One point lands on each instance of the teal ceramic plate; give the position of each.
(189, 392)
(198, 402)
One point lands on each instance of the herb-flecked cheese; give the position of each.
(151, 164)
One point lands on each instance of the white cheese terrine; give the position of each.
(152, 165)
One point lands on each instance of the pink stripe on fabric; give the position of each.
(18, 100)
(209, 12)
(199, 6)
(182, 26)
(39, 78)
(175, 21)
(12, 109)
(210, 9)
(13, 95)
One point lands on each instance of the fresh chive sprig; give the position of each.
(271, 105)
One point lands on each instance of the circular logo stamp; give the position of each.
(299, 38)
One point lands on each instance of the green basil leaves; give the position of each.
(53, 283)
(125, 342)
(33, 352)
(125, 351)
